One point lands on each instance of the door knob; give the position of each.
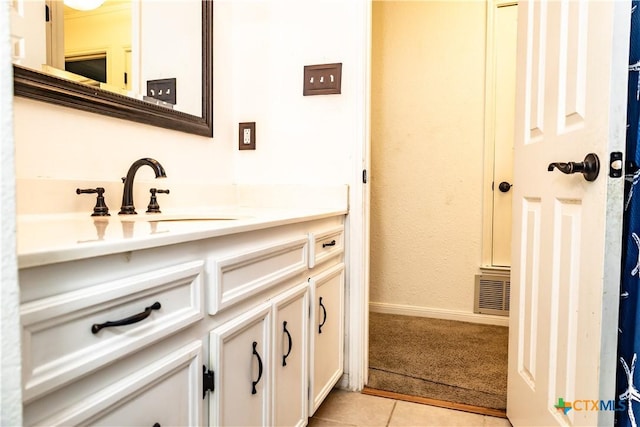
(589, 168)
(504, 186)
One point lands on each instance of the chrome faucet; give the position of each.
(127, 207)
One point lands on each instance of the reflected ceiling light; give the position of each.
(83, 4)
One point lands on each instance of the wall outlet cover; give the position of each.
(247, 136)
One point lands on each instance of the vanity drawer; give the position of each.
(60, 339)
(167, 391)
(238, 276)
(325, 245)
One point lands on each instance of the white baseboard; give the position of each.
(505, 271)
(438, 313)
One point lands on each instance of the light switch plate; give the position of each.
(323, 79)
(247, 136)
(162, 89)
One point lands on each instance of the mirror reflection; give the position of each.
(122, 46)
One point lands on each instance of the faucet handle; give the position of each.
(153, 206)
(100, 209)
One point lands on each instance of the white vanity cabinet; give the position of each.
(130, 337)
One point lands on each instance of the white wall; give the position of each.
(10, 374)
(299, 138)
(427, 153)
(260, 50)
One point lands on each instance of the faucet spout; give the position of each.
(127, 207)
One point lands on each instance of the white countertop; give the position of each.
(48, 239)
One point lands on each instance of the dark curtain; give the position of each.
(629, 330)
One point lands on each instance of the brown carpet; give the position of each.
(452, 361)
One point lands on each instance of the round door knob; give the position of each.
(504, 186)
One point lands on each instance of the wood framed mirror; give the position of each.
(40, 86)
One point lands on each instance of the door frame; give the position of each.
(613, 234)
(357, 228)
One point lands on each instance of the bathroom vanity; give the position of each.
(228, 318)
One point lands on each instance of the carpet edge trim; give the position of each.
(434, 402)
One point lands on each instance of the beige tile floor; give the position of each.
(343, 408)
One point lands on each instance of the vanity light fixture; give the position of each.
(83, 4)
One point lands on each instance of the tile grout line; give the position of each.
(395, 402)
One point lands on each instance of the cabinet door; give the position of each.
(166, 391)
(290, 350)
(240, 359)
(173, 399)
(327, 326)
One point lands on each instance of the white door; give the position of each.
(571, 100)
(505, 37)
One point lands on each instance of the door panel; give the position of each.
(240, 359)
(565, 304)
(571, 100)
(528, 308)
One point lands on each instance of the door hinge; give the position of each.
(364, 176)
(208, 381)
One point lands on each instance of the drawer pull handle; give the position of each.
(95, 328)
(284, 329)
(255, 383)
(324, 316)
(331, 243)
(157, 425)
